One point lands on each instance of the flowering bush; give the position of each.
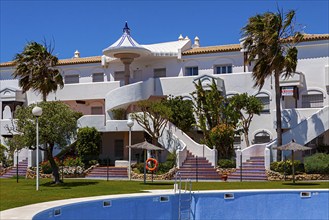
(72, 170)
(72, 165)
(73, 161)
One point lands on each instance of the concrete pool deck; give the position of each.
(27, 212)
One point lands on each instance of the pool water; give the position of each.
(274, 204)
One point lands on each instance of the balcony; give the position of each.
(79, 91)
(292, 117)
(297, 79)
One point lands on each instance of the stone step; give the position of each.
(111, 172)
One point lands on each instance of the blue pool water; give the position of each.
(287, 204)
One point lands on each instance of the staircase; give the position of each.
(111, 172)
(22, 168)
(197, 168)
(252, 169)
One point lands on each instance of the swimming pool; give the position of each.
(235, 204)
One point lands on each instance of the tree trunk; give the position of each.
(278, 111)
(44, 97)
(246, 138)
(53, 164)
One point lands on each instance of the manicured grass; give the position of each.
(14, 194)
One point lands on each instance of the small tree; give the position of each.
(208, 107)
(246, 107)
(182, 112)
(222, 136)
(57, 125)
(153, 117)
(88, 143)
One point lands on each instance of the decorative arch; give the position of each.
(261, 136)
(313, 98)
(265, 97)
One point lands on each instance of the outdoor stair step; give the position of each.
(200, 169)
(251, 171)
(196, 162)
(197, 165)
(247, 175)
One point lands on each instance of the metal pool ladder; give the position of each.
(184, 197)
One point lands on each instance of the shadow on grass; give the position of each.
(301, 184)
(69, 184)
(157, 184)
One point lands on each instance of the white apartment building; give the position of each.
(127, 72)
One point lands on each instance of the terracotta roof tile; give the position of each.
(82, 60)
(236, 47)
(212, 49)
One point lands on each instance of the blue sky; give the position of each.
(91, 26)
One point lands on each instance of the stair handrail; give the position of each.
(270, 153)
(195, 148)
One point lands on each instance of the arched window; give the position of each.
(265, 99)
(313, 99)
(262, 137)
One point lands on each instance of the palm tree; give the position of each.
(35, 69)
(270, 41)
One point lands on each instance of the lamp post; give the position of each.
(37, 112)
(130, 123)
(239, 153)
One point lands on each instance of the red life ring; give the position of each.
(155, 162)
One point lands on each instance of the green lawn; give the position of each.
(14, 194)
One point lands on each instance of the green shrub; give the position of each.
(317, 163)
(286, 166)
(93, 162)
(323, 149)
(226, 163)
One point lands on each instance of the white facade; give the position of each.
(95, 86)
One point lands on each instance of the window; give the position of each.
(191, 71)
(262, 137)
(222, 69)
(96, 110)
(98, 77)
(159, 73)
(265, 99)
(313, 100)
(70, 79)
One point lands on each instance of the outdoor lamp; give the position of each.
(37, 112)
(130, 123)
